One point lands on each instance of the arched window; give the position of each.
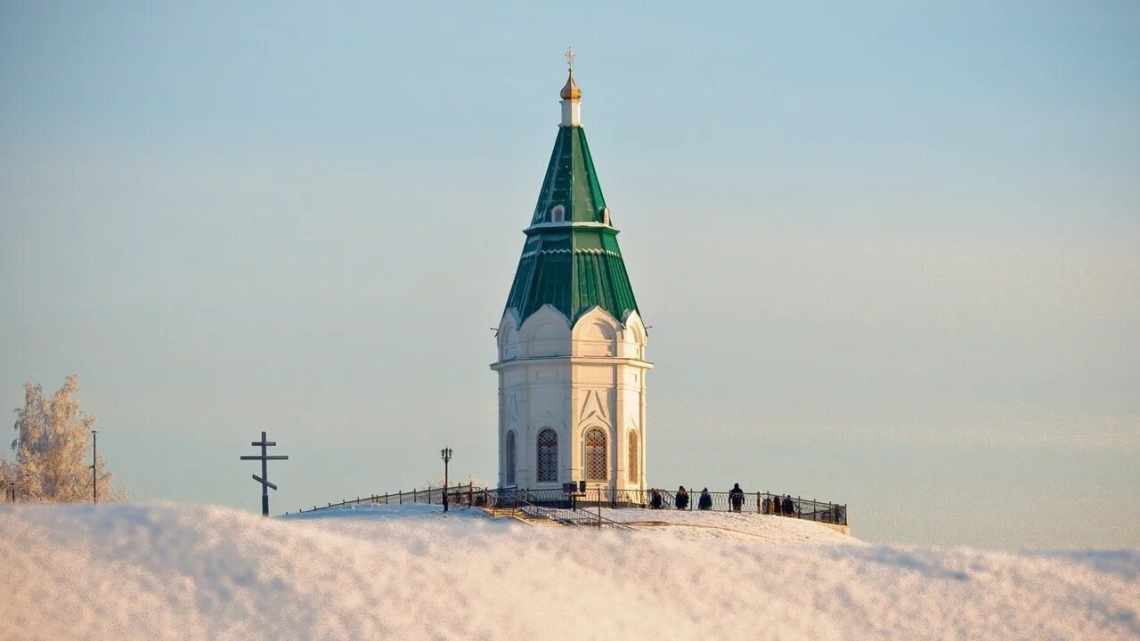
(547, 455)
(558, 214)
(596, 455)
(633, 459)
(509, 476)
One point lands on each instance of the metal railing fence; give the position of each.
(464, 495)
(468, 495)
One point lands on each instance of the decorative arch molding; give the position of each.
(545, 333)
(633, 337)
(507, 336)
(546, 314)
(635, 327)
(596, 333)
(595, 408)
(596, 318)
(509, 317)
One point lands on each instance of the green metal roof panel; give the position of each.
(571, 182)
(572, 268)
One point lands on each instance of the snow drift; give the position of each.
(152, 572)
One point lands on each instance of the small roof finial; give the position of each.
(570, 90)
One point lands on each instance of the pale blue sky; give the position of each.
(890, 252)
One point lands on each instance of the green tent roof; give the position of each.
(571, 258)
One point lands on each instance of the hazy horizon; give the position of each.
(889, 254)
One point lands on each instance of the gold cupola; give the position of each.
(570, 90)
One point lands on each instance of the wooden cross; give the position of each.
(569, 55)
(264, 478)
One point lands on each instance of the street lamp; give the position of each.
(94, 469)
(445, 454)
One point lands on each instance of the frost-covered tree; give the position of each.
(51, 445)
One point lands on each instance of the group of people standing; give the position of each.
(680, 499)
(776, 505)
(770, 504)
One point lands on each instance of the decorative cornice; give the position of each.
(574, 360)
(571, 225)
(545, 252)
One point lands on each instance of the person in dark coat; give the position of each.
(736, 497)
(655, 500)
(789, 505)
(705, 502)
(682, 498)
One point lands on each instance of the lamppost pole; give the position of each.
(94, 470)
(445, 454)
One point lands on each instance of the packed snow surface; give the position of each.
(151, 572)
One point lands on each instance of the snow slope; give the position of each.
(150, 572)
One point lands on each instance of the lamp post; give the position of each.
(94, 469)
(445, 454)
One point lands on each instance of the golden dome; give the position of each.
(570, 90)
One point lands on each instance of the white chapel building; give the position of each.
(571, 342)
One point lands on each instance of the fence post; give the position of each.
(599, 507)
(799, 507)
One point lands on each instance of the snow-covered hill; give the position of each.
(409, 572)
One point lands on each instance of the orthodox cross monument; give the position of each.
(571, 343)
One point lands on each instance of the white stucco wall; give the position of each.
(570, 380)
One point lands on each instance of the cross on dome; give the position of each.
(570, 90)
